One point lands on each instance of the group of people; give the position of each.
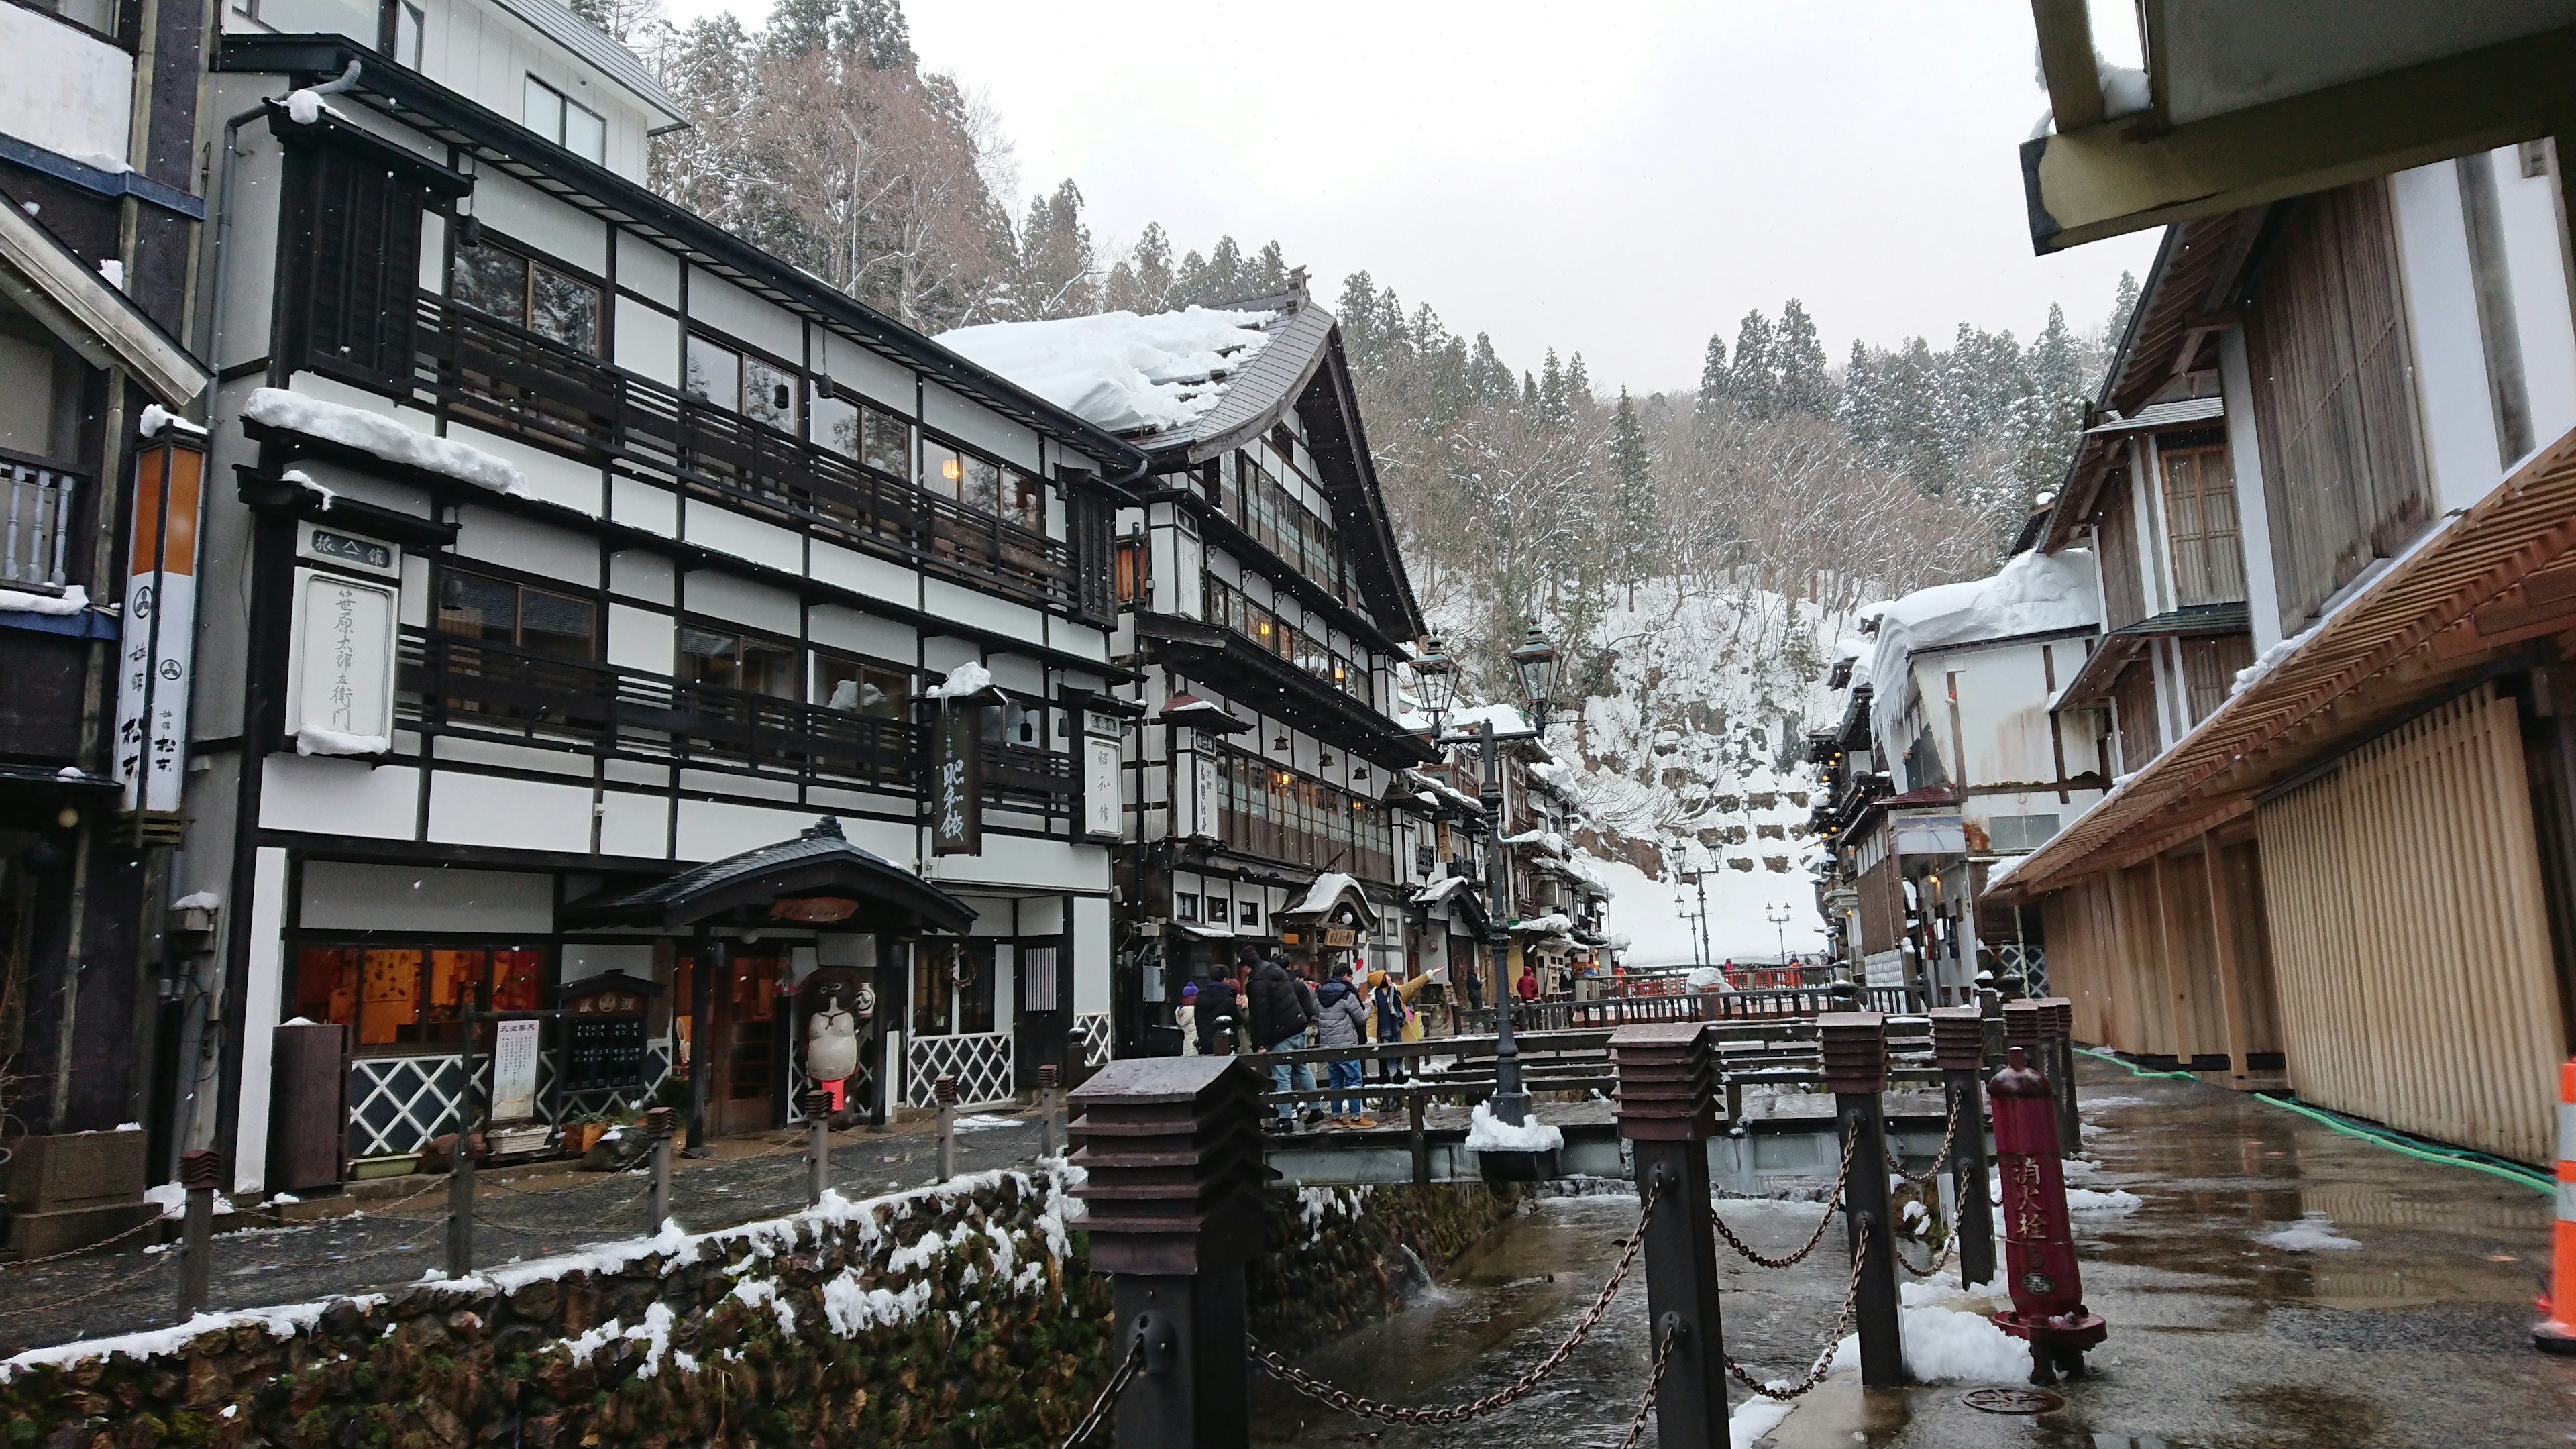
(1276, 1008)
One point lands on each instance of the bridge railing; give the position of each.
(1767, 1003)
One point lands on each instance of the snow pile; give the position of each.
(1754, 1418)
(986, 1119)
(964, 680)
(156, 417)
(2269, 660)
(2312, 1233)
(70, 601)
(1488, 1133)
(172, 1199)
(2109, 1201)
(1118, 371)
(382, 437)
(305, 106)
(1554, 923)
(315, 740)
(2032, 593)
(197, 901)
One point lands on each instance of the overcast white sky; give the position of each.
(1617, 179)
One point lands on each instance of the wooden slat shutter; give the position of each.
(352, 265)
(1089, 520)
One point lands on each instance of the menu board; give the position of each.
(603, 1053)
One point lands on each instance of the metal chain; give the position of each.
(114, 1284)
(1324, 1393)
(86, 1249)
(1824, 1359)
(1109, 1393)
(1940, 1259)
(1833, 1205)
(1654, 1381)
(1949, 1139)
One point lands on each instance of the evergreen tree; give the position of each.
(1799, 360)
(1638, 519)
(1142, 283)
(1753, 381)
(2123, 303)
(877, 30)
(1864, 401)
(1578, 383)
(1487, 378)
(1551, 392)
(1712, 380)
(1056, 268)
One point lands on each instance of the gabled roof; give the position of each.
(820, 862)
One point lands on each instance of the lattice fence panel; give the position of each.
(981, 1064)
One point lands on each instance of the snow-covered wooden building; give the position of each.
(2332, 472)
(1263, 603)
(569, 545)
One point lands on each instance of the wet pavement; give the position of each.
(391, 1241)
(2236, 1320)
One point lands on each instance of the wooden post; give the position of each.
(2222, 931)
(1665, 1108)
(1049, 1074)
(1172, 1149)
(200, 1172)
(2059, 1024)
(1959, 1045)
(703, 1046)
(1414, 1138)
(1855, 1058)
(469, 1124)
(944, 1091)
(660, 1124)
(818, 1144)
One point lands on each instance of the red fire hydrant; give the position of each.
(2039, 1248)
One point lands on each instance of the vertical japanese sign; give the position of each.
(957, 780)
(344, 664)
(514, 1071)
(1207, 794)
(1100, 796)
(157, 646)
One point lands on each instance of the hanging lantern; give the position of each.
(1535, 662)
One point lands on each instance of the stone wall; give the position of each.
(958, 1315)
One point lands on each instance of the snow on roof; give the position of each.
(1439, 890)
(2032, 593)
(966, 679)
(1506, 718)
(1320, 896)
(1118, 371)
(383, 437)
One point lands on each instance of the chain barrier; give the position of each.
(1654, 1381)
(1348, 1402)
(1940, 1259)
(1824, 1359)
(86, 1249)
(1949, 1140)
(1109, 1393)
(1833, 1205)
(116, 1283)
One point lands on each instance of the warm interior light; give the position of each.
(952, 469)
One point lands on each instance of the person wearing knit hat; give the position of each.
(1187, 1019)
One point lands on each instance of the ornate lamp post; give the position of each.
(1778, 916)
(1436, 676)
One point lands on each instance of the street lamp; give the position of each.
(1436, 679)
(1707, 950)
(1780, 926)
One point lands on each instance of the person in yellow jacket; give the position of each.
(1392, 1018)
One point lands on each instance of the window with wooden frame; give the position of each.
(2334, 394)
(2200, 518)
(862, 431)
(500, 280)
(983, 484)
(497, 610)
(409, 996)
(566, 122)
(730, 659)
(738, 381)
(1130, 563)
(856, 686)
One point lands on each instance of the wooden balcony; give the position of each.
(454, 685)
(508, 380)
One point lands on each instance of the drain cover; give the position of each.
(2012, 1401)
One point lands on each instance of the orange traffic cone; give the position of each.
(2556, 1332)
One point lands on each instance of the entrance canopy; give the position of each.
(817, 879)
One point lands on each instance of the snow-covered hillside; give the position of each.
(1689, 744)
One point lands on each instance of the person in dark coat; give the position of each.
(1342, 1021)
(1216, 1012)
(1280, 1016)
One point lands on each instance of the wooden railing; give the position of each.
(453, 684)
(36, 501)
(1783, 1003)
(512, 381)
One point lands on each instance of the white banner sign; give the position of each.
(1207, 795)
(343, 696)
(514, 1071)
(160, 627)
(1100, 799)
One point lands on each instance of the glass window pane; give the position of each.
(983, 486)
(770, 669)
(407, 35)
(707, 658)
(836, 425)
(516, 977)
(715, 373)
(291, 17)
(492, 280)
(888, 444)
(768, 394)
(585, 134)
(326, 984)
(565, 310)
(941, 469)
(558, 624)
(479, 608)
(544, 110)
(1024, 500)
(975, 993)
(389, 1000)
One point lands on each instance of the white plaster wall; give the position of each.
(722, 596)
(354, 896)
(1090, 954)
(69, 91)
(519, 543)
(2535, 256)
(970, 423)
(729, 309)
(640, 639)
(339, 797)
(508, 814)
(261, 991)
(648, 341)
(523, 213)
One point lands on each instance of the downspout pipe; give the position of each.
(214, 331)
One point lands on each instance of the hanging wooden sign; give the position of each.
(957, 781)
